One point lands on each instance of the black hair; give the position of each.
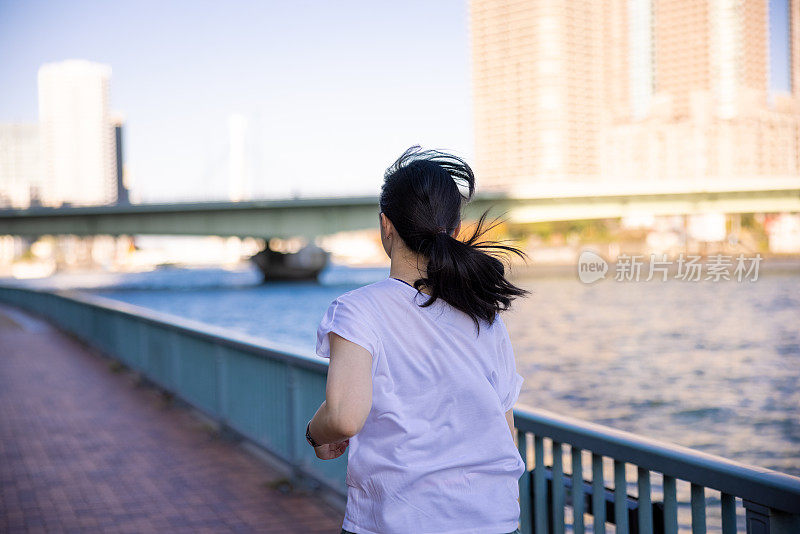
(423, 194)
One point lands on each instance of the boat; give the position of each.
(305, 264)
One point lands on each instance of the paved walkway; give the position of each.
(83, 449)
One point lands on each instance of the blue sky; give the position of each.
(334, 90)
(779, 45)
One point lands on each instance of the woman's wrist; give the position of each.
(309, 436)
(321, 429)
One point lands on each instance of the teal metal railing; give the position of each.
(267, 393)
(770, 500)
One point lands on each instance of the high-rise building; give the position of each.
(239, 171)
(536, 70)
(630, 91)
(20, 165)
(76, 134)
(123, 193)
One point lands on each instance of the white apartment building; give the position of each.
(76, 134)
(20, 165)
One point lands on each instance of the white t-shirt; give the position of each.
(435, 454)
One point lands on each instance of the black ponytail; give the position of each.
(423, 194)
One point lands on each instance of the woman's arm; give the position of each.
(348, 393)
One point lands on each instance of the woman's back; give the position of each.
(435, 453)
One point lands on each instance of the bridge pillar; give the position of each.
(305, 264)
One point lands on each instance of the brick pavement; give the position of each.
(84, 449)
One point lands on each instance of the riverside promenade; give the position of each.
(84, 448)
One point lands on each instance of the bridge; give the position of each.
(312, 217)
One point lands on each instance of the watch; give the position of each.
(309, 439)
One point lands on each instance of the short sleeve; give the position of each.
(509, 380)
(350, 320)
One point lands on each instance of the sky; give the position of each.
(333, 91)
(778, 43)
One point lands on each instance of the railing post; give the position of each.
(620, 498)
(728, 509)
(144, 348)
(698, 502)
(175, 362)
(756, 518)
(598, 495)
(783, 522)
(763, 520)
(539, 487)
(645, 513)
(525, 524)
(557, 489)
(291, 389)
(222, 384)
(670, 505)
(577, 491)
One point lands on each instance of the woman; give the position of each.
(422, 387)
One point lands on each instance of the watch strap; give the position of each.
(310, 439)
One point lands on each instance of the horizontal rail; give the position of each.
(223, 336)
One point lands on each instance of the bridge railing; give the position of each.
(771, 500)
(267, 393)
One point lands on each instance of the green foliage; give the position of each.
(748, 220)
(27, 255)
(593, 230)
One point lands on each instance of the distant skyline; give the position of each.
(635, 93)
(334, 91)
